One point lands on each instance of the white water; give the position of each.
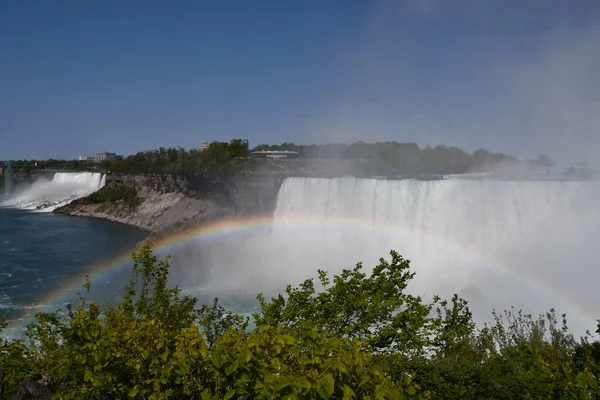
(533, 245)
(46, 195)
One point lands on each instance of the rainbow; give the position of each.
(249, 224)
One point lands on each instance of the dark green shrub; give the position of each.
(115, 193)
(362, 337)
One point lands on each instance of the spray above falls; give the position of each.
(527, 244)
(47, 195)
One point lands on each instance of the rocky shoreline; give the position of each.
(171, 203)
(158, 212)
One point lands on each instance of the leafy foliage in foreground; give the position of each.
(361, 336)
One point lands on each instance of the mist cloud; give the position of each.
(556, 94)
(502, 80)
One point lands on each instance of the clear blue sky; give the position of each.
(78, 77)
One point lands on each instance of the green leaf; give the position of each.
(348, 393)
(253, 341)
(164, 356)
(203, 349)
(88, 375)
(216, 359)
(276, 364)
(245, 378)
(229, 394)
(325, 386)
(283, 386)
(286, 390)
(134, 391)
(302, 383)
(230, 369)
(339, 365)
(245, 357)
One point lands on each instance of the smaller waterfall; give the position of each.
(47, 195)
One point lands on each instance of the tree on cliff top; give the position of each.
(222, 158)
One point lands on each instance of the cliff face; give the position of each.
(255, 194)
(170, 203)
(244, 194)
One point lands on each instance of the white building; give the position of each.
(278, 154)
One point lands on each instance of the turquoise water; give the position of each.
(41, 253)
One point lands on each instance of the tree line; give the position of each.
(361, 337)
(221, 158)
(388, 157)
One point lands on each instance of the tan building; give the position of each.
(203, 146)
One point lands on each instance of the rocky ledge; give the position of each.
(168, 203)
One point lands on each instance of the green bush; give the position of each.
(115, 193)
(361, 337)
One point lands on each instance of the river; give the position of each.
(44, 258)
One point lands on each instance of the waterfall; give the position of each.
(531, 244)
(478, 214)
(46, 195)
